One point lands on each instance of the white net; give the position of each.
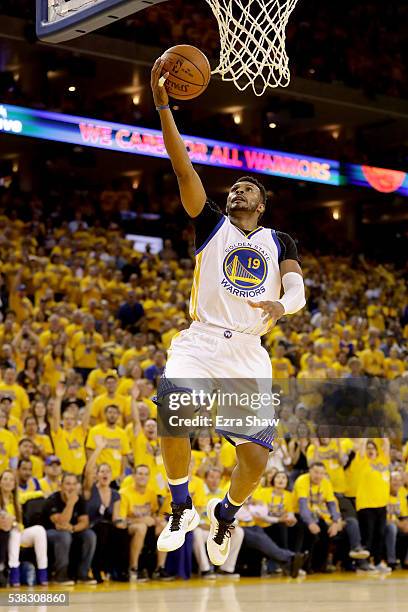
(253, 34)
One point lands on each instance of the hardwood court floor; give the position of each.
(333, 593)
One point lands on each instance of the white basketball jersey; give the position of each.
(231, 269)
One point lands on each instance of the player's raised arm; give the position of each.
(192, 192)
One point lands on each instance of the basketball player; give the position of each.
(224, 338)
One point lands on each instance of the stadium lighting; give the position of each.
(336, 215)
(72, 88)
(237, 117)
(273, 125)
(136, 99)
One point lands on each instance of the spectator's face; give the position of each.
(26, 449)
(7, 482)
(141, 476)
(104, 475)
(144, 411)
(396, 482)
(317, 473)
(371, 450)
(68, 420)
(111, 385)
(6, 405)
(25, 471)
(136, 372)
(112, 415)
(39, 409)
(30, 427)
(69, 485)
(150, 429)
(281, 481)
(213, 480)
(54, 470)
(9, 376)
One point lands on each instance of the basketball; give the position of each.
(190, 72)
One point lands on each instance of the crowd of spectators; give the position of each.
(86, 323)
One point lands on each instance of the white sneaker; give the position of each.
(184, 518)
(383, 569)
(219, 536)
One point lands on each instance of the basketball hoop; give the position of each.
(252, 34)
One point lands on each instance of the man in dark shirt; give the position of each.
(67, 523)
(130, 312)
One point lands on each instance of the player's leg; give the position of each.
(251, 463)
(188, 363)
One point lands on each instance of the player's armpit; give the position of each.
(192, 193)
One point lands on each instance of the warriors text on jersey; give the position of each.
(232, 267)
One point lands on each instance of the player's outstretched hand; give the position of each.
(272, 311)
(157, 80)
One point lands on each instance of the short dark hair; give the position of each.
(111, 406)
(254, 181)
(316, 464)
(66, 475)
(21, 461)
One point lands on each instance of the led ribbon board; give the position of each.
(83, 131)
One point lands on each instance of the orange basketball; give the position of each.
(190, 72)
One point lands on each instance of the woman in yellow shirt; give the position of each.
(56, 365)
(373, 490)
(11, 522)
(280, 509)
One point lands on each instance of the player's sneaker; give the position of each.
(184, 518)
(219, 536)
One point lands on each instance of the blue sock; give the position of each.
(227, 510)
(179, 490)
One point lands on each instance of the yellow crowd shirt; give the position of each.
(136, 504)
(329, 456)
(317, 496)
(373, 487)
(278, 502)
(8, 448)
(102, 401)
(70, 448)
(397, 507)
(117, 446)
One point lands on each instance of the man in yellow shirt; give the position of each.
(320, 520)
(52, 479)
(69, 440)
(97, 378)
(86, 345)
(8, 445)
(116, 453)
(139, 510)
(372, 359)
(10, 387)
(372, 496)
(396, 530)
(111, 396)
(26, 451)
(393, 366)
(136, 353)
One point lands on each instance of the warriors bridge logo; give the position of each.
(245, 271)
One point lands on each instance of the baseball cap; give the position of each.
(52, 459)
(22, 287)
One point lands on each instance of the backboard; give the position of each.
(59, 20)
